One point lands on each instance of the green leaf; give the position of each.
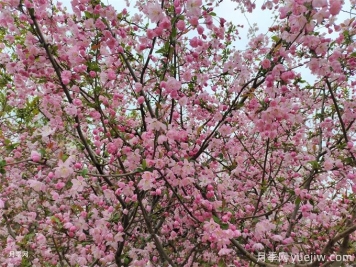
(223, 226)
(55, 219)
(221, 263)
(160, 51)
(164, 49)
(144, 164)
(315, 165)
(174, 33)
(2, 163)
(342, 145)
(126, 260)
(84, 172)
(348, 160)
(139, 169)
(275, 38)
(297, 201)
(115, 218)
(93, 66)
(280, 179)
(216, 219)
(43, 152)
(29, 237)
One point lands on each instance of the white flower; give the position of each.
(78, 184)
(45, 132)
(154, 124)
(224, 251)
(36, 185)
(147, 181)
(154, 12)
(64, 169)
(258, 246)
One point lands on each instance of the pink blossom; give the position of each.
(258, 246)
(45, 132)
(154, 12)
(335, 7)
(287, 241)
(71, 110)
(194, 42)
(77, 102)
(194, 21)
(41, 239)
(66, 76)
(138, 87)
(180, 25)
(35, 156)
(200, 29)
(36, 185)
(140, 100)
(320, 3)
(78, 184)
(305, 209)
(161, 139)
(111, 75)
(263, 227)
(64, 169)
(158, 31)
(194, 8)
(147, 181)
(278, 238)
(156, 125)
(172, 84)
(119, 237)
(151, 34)
(165, 23)
(328, 164)
(224, 251)
(266, 64)
(55, 195)
(59, 185)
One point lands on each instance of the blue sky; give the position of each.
(227, 9)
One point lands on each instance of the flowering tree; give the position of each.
(147, 139)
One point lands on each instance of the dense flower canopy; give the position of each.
(144, 137)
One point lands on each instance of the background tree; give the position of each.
(149, 139)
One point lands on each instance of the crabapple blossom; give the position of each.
(78, 184)
(64, 169)
(147, 181)
(2, 203)
(154, 12)
(35, 156)
(194, 8)
(335, 7)
(144, 136)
